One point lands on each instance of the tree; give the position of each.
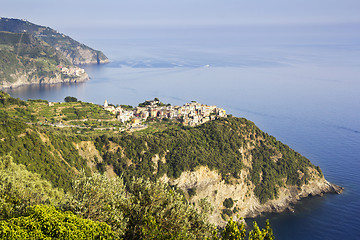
(228, 203)
(70, 99)
(100, 199)
(234, 231)
(256, 233)
(45, 222)
(20, 188)
(157, 211)
(267, 231)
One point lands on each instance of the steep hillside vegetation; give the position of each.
(72, 50)
(227, 146)
(229, 161)
(26, 60)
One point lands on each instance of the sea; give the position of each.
(299, 83)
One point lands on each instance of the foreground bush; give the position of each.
(45, 222)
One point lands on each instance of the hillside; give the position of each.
(73, 51)
(229, 161)
(27, 60)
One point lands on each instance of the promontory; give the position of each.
(34, 54)
(196, 149)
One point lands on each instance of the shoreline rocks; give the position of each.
(23, 80)
(208, 184)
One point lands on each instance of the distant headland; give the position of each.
(34, 54)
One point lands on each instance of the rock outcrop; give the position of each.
(26, 78)
(209, 184)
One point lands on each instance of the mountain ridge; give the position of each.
(72, 50)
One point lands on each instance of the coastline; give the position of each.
(56, 80)
(208, 184)
(290, 196)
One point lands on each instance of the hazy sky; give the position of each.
(65, 14)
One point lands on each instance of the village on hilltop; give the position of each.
(190, 114)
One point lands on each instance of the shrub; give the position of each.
(228, 203)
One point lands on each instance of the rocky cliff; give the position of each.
(209, 184)
(240, 169)
(26, 78)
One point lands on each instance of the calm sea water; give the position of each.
(300, 84)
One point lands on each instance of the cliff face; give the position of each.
(82, 55)
(208, 184)
(26, 78)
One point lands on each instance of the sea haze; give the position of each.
(299, 83)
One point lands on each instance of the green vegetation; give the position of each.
(228, 203)
(215, 144)
(80, 116)
(46, 161)
(101, 208)
(149, 210)
(21, 53)
(45, 222)
(225, 145)
(42, 150)
(236, 231)
(70, 99)
(73, 50)
(191, 192)
(98, 198)
(39, 162)
(20, 188)
(158, 103)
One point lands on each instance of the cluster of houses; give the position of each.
(72, 71)
(190, 114)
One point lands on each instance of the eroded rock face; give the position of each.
(209, 184)
(27, 79)
(84, 56)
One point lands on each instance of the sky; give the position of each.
(67, 14)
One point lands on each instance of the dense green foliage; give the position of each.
(148, 211)
(100, 199)
(21, 53)
(70, 99)
(216, 144)
(20, 188)
(236, 231)
(45, 222)
(44, 151)
(156, 211)
(228, 203)
(139, 209)
(227, 145)
(101, 208)
(158, 103)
